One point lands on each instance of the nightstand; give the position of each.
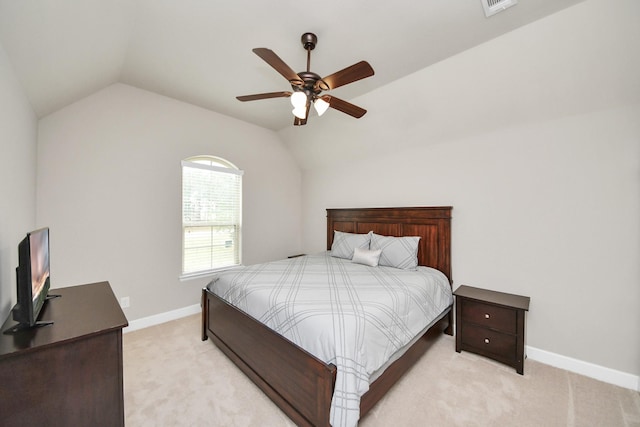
(491, 324)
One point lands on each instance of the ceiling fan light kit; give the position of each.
(307, 86)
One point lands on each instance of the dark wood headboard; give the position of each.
(432, 224)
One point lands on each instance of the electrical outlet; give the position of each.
(124, 302)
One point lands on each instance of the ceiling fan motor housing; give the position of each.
(309, 78)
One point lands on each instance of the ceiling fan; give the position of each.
(307, 86)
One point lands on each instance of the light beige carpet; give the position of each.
(172, 378)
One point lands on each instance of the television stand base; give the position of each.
(22, 326)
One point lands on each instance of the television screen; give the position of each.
(32, 280)
(39, 262)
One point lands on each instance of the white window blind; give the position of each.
(211, 215)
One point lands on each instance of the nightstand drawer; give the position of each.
(489, 316)
(488, 341)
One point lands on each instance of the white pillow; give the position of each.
(344, 243)
(366, 257)
(398, 252)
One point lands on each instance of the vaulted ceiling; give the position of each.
(200, 51)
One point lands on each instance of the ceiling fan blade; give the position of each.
(344, 106)
(278, 64)
(263, 96)
(348, 75)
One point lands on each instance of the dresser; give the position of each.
(68, 373)
(491, 324)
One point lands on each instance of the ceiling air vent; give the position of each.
(491, 7)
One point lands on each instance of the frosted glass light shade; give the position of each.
(300, 112)
(321, 106)
(299, 99)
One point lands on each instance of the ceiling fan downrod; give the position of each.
(312, 83)
(309, 41)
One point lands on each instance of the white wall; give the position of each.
(17, 178)
(534, 139)
(110, 190)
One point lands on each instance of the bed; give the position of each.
(301, 384)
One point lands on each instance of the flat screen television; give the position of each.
(33, 279)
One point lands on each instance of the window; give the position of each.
(211, 215)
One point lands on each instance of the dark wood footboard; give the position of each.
(300, 384)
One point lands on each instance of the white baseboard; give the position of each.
(157, 319)
(611, 376)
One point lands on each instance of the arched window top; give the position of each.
(212, 161)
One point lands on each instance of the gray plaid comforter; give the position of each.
(348, 314)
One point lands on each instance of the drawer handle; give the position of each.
(486, 315)
(486, 341)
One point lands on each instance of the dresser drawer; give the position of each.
(489, 342)
(489, 316)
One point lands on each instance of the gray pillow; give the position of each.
(344, 243)
(398, 252)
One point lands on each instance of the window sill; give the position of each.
(200, 274)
